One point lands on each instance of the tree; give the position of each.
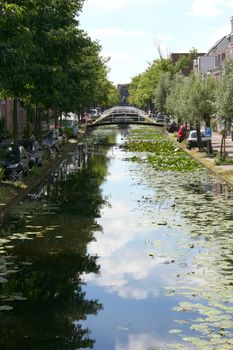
(200, 99)
(15, 45)
(162, 91)
(47, 62)
(192, 99)
(223, 100)
(142, 87)
(176, 99)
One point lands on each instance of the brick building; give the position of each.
(6, 113)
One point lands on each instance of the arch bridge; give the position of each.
(124, 115)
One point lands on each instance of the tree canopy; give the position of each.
(47, 60)
(147, 88)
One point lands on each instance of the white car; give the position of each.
(191, 140)
(70, 124)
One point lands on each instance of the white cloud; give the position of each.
(140, 342)
(121, 57)
(230, 4)
(218, 33)
(163, 37)
(207, 8)
(136, 293)
(118, 33)
(127, 271)
(106, 4)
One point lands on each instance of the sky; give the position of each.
(130, 31)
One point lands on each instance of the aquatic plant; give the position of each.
(162, 151)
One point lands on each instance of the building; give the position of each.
(212, 61)
(6, 113)
(174, 57)
(123, 90)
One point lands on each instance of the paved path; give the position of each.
(216, 143)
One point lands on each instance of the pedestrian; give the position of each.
(181, 135)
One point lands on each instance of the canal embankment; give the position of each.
(12, 193)
(223, 171)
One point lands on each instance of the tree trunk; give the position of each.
(28, 129)
(55, 117)
(47, 117)
(221, 147)
(223, 144)
(199, 144)
(207, 124)
(61, 122)
(39, 120)
(207, 120)
(224, 148)
(15, 120)
(36, 121)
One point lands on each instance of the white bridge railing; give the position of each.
(123, 114)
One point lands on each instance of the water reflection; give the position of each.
(47, 298)
(113, 255)
(44, 256)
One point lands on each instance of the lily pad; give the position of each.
(6, 308)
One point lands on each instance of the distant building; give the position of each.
(123, 90)
(212, 61)
(174, 57)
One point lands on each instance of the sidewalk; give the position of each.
(223, 171)
(216, 143)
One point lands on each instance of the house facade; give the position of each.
(123, 90)
(174, 57)
(212, 61)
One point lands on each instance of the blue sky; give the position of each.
(129, 31)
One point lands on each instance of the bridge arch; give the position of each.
(124, 115)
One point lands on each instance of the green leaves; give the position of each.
(224, 93)
(47, 60)
(143, 86)
(162, 151)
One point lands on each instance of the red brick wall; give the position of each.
(7, 114)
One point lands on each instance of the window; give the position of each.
(223, 56)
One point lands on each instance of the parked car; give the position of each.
(162, 118)
(191, 140)
(14, 160)
(70, 124)
(172, 126)
(57, 136)
(61, 135)
(34, 150)
(50, 140)
(94, 113)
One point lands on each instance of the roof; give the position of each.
(215, 45)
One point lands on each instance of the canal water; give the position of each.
(111, 255)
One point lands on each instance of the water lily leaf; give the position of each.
(202, 344)
(175, 331)
(5, 308)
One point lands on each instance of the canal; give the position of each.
(110, 254)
